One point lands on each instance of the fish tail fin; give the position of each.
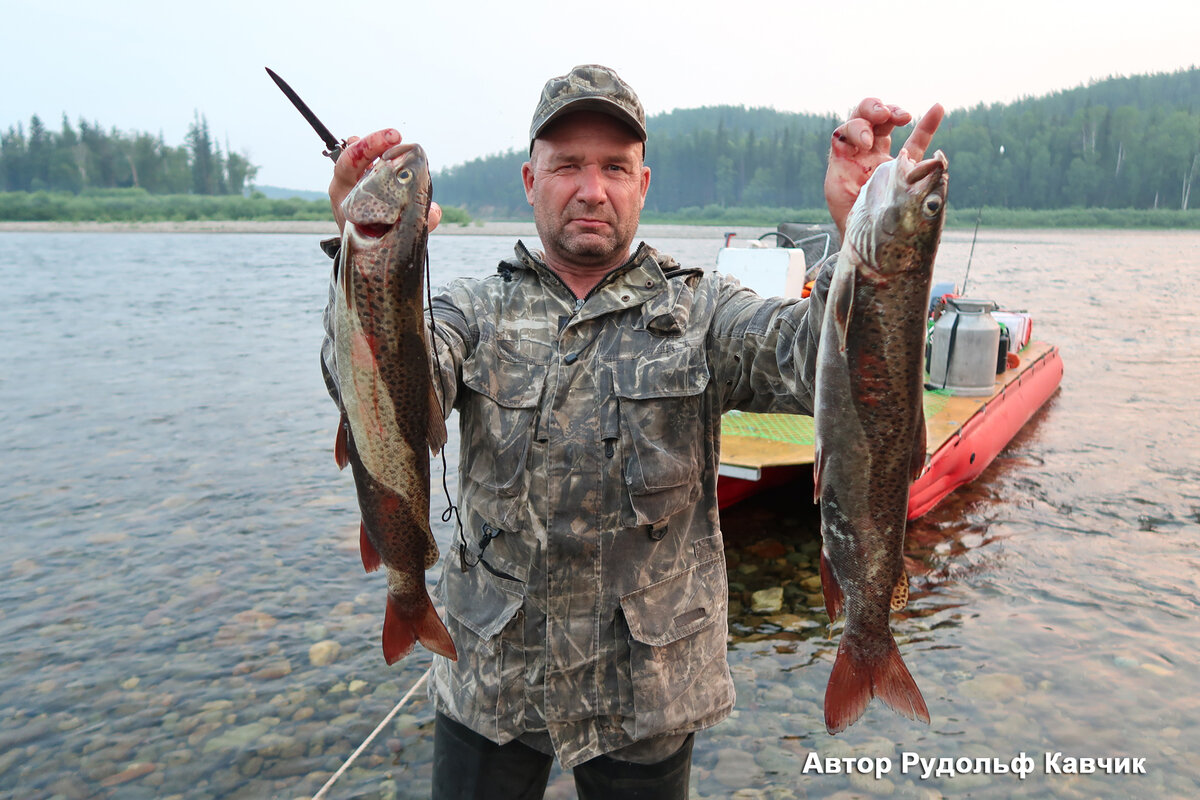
(370, 556)
(855, 680)
(830, 589)
(401, 632)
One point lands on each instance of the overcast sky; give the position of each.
(462, 76)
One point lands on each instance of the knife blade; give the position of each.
(335, 146)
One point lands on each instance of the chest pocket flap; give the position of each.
(499, 414)
(503, 371)
(660, 398)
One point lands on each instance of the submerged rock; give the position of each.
(239, 738)
(767, 601)
(324, 653)
(132, 772)
(768, 549)
(736, 769)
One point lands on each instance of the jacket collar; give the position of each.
(643, 280)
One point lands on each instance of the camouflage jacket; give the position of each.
(590, 436)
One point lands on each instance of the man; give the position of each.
(587, 597)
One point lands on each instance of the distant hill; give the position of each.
(1121, 142)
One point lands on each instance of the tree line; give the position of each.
(1119, 143)
(86, 157)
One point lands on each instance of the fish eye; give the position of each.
(404, 175)
(933, 204)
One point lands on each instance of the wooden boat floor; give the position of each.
(759, 441)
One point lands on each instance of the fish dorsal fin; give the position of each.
(437, 423)
(436, 427)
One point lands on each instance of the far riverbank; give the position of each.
(327, 228)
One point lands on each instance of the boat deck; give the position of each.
(753, 445)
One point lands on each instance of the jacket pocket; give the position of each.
(677, 663)
(484, 688)
(660, 398)
(499, 416)
(479, 599)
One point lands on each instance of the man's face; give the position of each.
(587, 185)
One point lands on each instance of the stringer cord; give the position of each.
(451, 511)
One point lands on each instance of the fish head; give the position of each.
(902, 205)
(396, 187)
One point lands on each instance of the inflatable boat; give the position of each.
(986, 377)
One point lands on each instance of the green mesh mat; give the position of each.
(797, 428)
(935, 401)
(790, 428)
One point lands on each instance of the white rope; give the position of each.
(321, 792)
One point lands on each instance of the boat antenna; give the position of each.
(971, 255)
(975, 236)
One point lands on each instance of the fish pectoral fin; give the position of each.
(830, 590)
(900, 593)
(818, 464)
(343, 271)
(841, 304)
(370, 556)
(341, 451)
(401, 631)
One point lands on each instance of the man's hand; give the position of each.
(862, 143)
(354, 161)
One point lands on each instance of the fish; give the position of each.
(870, 427)
(391, 416)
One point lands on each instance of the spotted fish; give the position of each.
(391, 418)
(870, 427)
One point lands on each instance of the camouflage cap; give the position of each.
(588, 87)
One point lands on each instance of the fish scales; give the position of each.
(870, 427)
(390, 414)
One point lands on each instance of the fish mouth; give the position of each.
(395, 182)
(923, 169)
(398, 150)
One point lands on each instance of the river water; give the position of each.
(177, 538)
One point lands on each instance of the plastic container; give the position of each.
(964, 347)
(1005, 346)
(1019, 326)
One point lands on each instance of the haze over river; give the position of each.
(183, 611)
